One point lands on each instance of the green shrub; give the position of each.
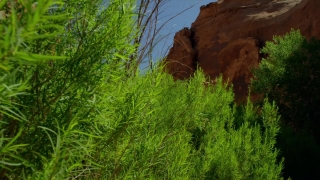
(70, 110)
(289, 74)
(54, 55)
(162, 129)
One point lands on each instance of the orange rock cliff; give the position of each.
(227, 36)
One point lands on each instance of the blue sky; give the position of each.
(183, 20)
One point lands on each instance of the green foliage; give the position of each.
(290, 76)
(52, 62)
(70, 110)
(156, 128)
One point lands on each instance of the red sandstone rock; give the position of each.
(228, 34)
(184, 60)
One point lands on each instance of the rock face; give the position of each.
(227, 35)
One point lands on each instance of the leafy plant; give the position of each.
(49, 77)
(289, 75)
(71, 110)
